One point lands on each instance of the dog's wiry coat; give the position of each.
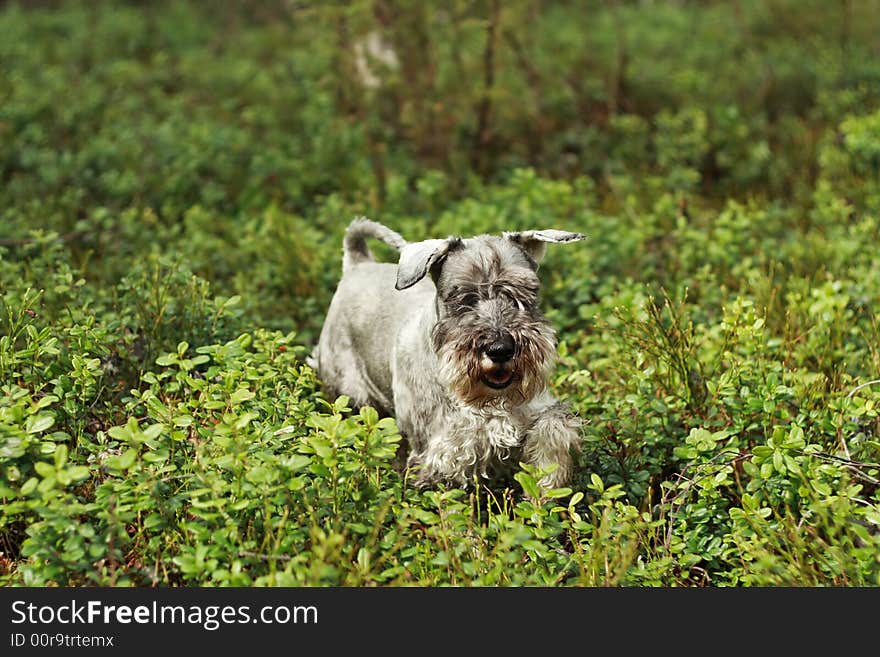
(451, 342)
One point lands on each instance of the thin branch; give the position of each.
(859, 387)
(483, 135)
(264, 557)
(849, 464)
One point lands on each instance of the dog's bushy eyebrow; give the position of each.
(457, 291)
(525, 291)
(517, 282)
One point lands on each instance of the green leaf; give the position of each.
(124, 461)
(240, 395)
(685, 452)
(369, 415)
(48, 400)
(122, 434)
(322, 448)
(245, 420)
(38, 423)
(528, 483)
(47, 484)
(60, 456)
(153, 431)
(156, 457)
(298, 462)
(44, 469)
(556, 493)
(260, 475)
(779, 462)
(792, 465)
(78, 473)
(152, 521)
(29, 486)
(795, 439)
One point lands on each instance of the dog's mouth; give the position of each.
(498, 379)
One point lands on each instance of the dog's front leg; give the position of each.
(550, 440)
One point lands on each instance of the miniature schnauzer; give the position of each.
(451, 342)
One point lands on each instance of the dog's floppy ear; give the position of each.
(417, 258)
(534, 242)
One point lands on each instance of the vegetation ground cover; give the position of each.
(175, 180)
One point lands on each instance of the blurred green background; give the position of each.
(245, 135)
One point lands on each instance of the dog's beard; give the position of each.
(478, 382)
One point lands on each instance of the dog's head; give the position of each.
(491, 338)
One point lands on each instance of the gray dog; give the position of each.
(450, 341)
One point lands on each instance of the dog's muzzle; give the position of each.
(497, 372)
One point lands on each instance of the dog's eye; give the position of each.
(525, 303)
(462, 298)
(509, 297)
(469, 299)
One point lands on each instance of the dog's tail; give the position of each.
(354, 246)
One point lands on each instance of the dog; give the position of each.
(451, 343)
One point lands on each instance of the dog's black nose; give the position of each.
(501, 350)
